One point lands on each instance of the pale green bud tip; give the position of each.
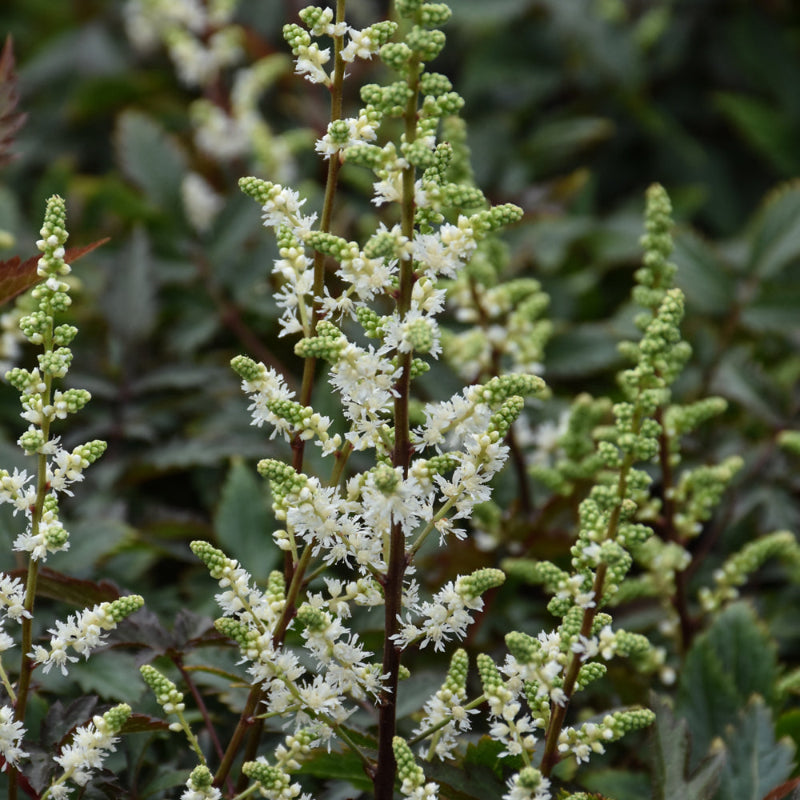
(31, 441)
(632, 644)
(56, 536)
(396, 55)
(386, 478)
(160, 684)
(246, 368)
(280, 474)
(201, 778)
(434, 15)
(420, 335)
(124, 606)
(311, 618)
(408, 8)
(214, 559)
(91, 451)
(501, 388)
(328, 343)
(295, 36)
(276, 584)
(271, 778)
(489, 674)
(260, 190)
(658, 202)
(55, 223)
(590, 672)
(523, 647)
(459, 664)
(480, 581)
(622, 722)
(426, 44)
(331, 245)
(116, 717)
(64, 334)
(408, 770)
(502, 420)
(316, 19)
(233, 629)
(530, 778)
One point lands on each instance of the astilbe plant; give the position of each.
(378, 474)
(425, 477)
(670, 520)
(36, 495)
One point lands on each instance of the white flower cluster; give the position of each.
(37, 496)
(90, 745)
(83, 632)
(11, 736)
(199, 36)
(352, 527)
(444, 617)
(446, 713)
(273, 404)
(320, 698)
(528, 784)
(206, 47)
(310, 58)
(413, 478)
(12, 598)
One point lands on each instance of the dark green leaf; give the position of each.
(470, 782)
(151, 159)
(179, 377)
(243, 523)
(776, 234)
(130, 297)
(774, 309)
(720, 674)
(10, 118)
(582, 350)
(111, 675)
(486, 751)
(702, 275)
(764, 126)
(90, 541)
(61, 719)
(617, 783)
(735, 636)
(556, 142)
(166, 779)
(342, 766)
(143, 723)
(756, 762)
(707, 696)
(477, 13)
(740, 378)
(672, 776)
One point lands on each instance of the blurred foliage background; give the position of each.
(573, 107)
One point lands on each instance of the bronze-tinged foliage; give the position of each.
(17, 275)
(11, 120)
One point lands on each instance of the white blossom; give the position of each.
(11, 736)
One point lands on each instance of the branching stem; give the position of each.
(384, 777)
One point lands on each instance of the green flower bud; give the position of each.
(426, 44)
